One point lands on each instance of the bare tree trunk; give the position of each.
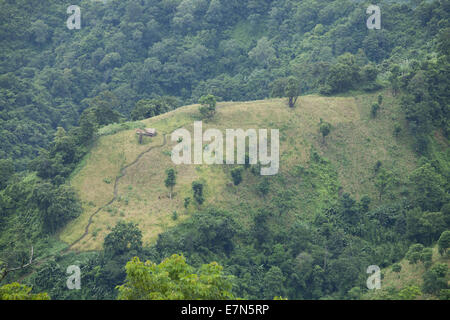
(292, 101)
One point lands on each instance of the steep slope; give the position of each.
(122, 180)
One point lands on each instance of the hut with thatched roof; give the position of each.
(148, 132)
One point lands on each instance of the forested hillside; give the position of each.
(140, 50)
(366, 172)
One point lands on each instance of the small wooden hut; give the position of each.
(148, 132)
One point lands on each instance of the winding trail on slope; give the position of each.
(116, 183)
(39, 262)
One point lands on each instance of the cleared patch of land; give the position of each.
(355, 144)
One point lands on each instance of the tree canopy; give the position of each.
(174, 279)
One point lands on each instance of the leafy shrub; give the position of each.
(236, 174)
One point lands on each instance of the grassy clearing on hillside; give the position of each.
(410, 275)
(348, 155)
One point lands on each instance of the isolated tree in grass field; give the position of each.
(171, 180)
(208, 106)
(187, 200)
(325, 129)
(236, 174)
(380, 99)
(374, 110)
(197, 187)
(292, 90)
(286, 87)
